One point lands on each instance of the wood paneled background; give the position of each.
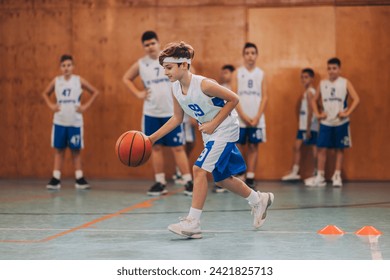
(104, 38)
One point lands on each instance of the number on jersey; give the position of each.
(198, 112)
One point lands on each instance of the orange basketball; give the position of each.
(133, 148)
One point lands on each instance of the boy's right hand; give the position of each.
(321, 116)
(246, 120)
(144, 94)
(55, 107)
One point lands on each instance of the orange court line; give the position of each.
(144, 204)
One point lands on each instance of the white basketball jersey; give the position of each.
(334, 99)
(304, 111)
(204, 108)
(160, 103)
(249, 88)
(68, 95)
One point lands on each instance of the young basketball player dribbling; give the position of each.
(212, 105)
(68, 120)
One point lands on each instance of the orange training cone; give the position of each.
(368, 230)
(330, 229)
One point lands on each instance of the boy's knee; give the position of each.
(157, 148)
(198, 171)
(178, 149)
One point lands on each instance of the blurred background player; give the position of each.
(227, 71)
(67, 128)
(308, 125)
(249, 85)
(334, 121)
(157, 109)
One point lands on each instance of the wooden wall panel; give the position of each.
(104, 38)
(363, 46)
(289, 39)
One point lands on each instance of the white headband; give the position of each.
(176, 60)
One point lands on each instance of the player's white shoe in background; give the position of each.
(187, 227)
(336, 180)
(292, 176)
(259, 210)
(316, 181)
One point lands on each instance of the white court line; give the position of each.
(155, 230)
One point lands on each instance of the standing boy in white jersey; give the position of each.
(212, 106)
(157, 109)
(249, 85)
(68, 120)
(334, 121)
(308, 125)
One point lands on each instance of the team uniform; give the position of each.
(158, 108)
(220, 155)
(303, 112)
(67, 123)
(249, 88)
(334, 131)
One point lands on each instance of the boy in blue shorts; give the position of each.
(334, 121)
(212, 106)
(308, 125)
(157, 109)
(68, 120)
(250, 86)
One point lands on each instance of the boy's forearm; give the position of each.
(91, 99)
(224, 113)
(262, 106)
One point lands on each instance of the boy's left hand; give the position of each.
(81, 109)
(207, 127)
(343, 114)
(254, 121)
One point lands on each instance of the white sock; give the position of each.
(195, 213)
(337, 172)
(295, 169)
(187, 177)
(253, 198)
(78, 174)
(321, 173)
(250, 175)
(178, 173)
(57, 174)
(160, 177)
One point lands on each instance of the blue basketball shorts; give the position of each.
(334, 137)
(301, 135)
(172, 139)
(67, 136)
(221, 159)
(253, 135)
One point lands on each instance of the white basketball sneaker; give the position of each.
(187, 227)
(259, 210)
(336, 180)
(317, 181)
(292, 176)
